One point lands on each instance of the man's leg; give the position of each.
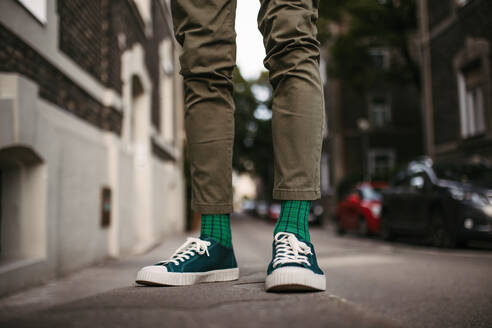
(292, 58)
(205, 30)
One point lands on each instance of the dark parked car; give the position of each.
(249, 206)
(316, 213)
(262, 209)
(447, 202)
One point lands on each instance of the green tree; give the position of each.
(253, 150)
(351, 28)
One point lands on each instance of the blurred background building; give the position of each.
(456, 38)
(90, 134)
(372, 89)
(404, 79)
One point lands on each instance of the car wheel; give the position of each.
(314, 220)
(363, 228)
(385, 230)
(338, 227)
(439, 234)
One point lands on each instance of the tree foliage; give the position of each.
(253, 149)
(352, 28)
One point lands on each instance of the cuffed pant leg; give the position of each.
(205, 30)
(292, 58)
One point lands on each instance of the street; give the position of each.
(370, 283)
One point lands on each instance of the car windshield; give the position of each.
(475, 174)
(369, 193)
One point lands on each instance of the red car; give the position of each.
(360, 209)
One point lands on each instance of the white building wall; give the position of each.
(168, 207)
(128, 218)
(74, 157)
(77, 162)
(60, 197)
(81, 176)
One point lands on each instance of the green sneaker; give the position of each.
(293, 266)
(196, 261)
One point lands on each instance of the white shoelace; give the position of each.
(288, 249)
(188, 249)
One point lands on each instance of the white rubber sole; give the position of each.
(157, 276)
(287, 279)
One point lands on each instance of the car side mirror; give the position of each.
(417, 183)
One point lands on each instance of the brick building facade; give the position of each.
(456, 38)
(392, 135)
(91, 134)
(372, 131)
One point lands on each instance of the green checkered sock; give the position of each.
(218, 227)
(294, 218)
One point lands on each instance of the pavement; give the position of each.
(370, 283)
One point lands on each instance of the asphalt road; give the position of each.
(412, 284)
(370, 283)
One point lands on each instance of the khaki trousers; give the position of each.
(205, 30)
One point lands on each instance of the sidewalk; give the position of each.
(106, 296)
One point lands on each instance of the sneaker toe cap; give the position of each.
(153, 269)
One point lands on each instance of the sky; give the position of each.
(250, 50)
(37, 8)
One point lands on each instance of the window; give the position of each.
(367, 192)
(37, 8)
(401, 180)
(381, 162)
(105, 207)
(471, 93)
(379, 111)
(380, 57)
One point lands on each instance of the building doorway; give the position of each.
(22, 205)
